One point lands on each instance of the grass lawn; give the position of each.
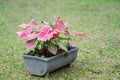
(98, 58)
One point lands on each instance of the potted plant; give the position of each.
(50, 46)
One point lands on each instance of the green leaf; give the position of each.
(52, 48)
(39, 44)
(63, 46)
(64, 38)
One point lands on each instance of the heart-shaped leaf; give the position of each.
(63, 46)
(52, 48)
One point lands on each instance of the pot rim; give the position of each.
(50, 58)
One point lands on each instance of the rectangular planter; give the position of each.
(42, 66)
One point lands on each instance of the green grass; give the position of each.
(98, 58)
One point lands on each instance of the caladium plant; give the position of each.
(47, 39)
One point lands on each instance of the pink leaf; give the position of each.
(81, 34)
(57, 17)
(32, 36)
(66, 24)
(23, 25)
(44, 28)
(52, 49)
(32, 23)
(60, 24)
(29, 30)
(73, 44)
(66, 33)
(22, 35)
(30, 45)
(45, 33)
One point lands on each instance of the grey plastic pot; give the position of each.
(42, 66)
